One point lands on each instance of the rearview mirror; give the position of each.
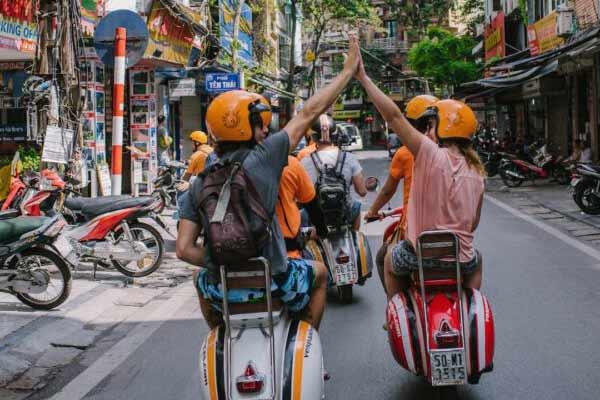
(372, 184)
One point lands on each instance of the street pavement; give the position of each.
(541, 283)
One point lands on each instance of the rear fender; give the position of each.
(479, 332)
(364, 257)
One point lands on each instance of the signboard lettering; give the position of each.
(182, 87)
(545, 35)
(218, 82)
(17, 28)
(494, 44)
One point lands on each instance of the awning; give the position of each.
(519, 77)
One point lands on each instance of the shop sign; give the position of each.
(542, 35)
(89, 13)
(226, 17)
(220, 82)
(9, 66)
(494, 38)
(170, 39)
(57, 145)
(17, 28)
(13, 132)
(182, 87)
(346, 114)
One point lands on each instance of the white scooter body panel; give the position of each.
(298, 362)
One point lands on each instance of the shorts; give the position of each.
(404, 261)
(293, 287)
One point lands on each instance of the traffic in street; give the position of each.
(541, 290)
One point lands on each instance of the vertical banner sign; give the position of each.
(494, 43)
(226, 16)
(18, 30)
(142, 124)
(89, 13)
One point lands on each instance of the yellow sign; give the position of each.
(346, 114)
(310, 56)
(545, 30)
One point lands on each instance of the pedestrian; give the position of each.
(164, 141)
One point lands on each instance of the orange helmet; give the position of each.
(229, 115)
(418, 104)
(199, 136)
(455, 120)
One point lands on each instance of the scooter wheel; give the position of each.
(586, 198)
(149, 236)
(345, 293)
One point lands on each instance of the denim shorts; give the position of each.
(293, 287)
(404, 261)
(354, 211)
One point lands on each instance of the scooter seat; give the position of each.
(101, 205)
(12, 229)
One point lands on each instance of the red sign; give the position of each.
(494, 44)
(534, 44)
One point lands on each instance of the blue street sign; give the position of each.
(221, 82)
(137, 37)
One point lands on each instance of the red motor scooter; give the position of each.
(437, 328)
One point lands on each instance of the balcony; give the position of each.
(389, 45)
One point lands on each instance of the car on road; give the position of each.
(353, 140)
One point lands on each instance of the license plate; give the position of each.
(448, 367)
(345, 274)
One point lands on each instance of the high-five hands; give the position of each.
(353, 56)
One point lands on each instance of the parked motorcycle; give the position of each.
(165, 183)
(105, 231)
(30, 266)
(437, 328)
(585, 186)
(515, 171)
(261, 351)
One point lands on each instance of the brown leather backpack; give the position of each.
(236, 224)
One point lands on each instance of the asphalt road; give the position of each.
(543, 293)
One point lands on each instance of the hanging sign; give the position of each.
(494, 38)
(545, 34)
(104, 182)
(182, 87)
(57, 145)
(220, 82)
(18, 30)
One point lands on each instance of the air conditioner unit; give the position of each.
(565, 23)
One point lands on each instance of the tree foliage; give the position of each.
(472, 12)
(417, 15)
(445, 59)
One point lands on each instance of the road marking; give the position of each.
(590, 251)
(109, 361)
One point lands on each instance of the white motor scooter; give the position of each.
(261, 352)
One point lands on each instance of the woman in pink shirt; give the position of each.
(448, 183)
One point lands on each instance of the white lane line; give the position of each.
(590, 251)
(109, 361)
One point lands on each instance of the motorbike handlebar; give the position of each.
(384, 214)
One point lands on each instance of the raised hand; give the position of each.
(360, 73)
(353, 56)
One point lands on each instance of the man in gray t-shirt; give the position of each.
(328, 154)
(239, 122)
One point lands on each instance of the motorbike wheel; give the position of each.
(586, 199)
(345, 293)
(163, 202)
(59, 273)
(150, 237)
(509, 180)
(491, 168)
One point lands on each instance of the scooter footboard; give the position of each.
(479, 333)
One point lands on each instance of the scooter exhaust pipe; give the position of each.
(515, 175)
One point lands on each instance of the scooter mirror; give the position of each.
(372, 184)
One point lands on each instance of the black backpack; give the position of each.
(331, 201)
(236, 224)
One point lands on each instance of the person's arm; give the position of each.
(384, 196)
(359, 185)
(187, 247)
(321, 100)
(478, 215)
(390, 112)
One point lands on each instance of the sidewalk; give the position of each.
(36, 345)
(550, 203)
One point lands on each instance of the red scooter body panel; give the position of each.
(406, 328)
(527, 167)
(32, 207)
(16, 187)
(105, 223)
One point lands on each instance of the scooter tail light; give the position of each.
(251, 381)
(342, 258)
(446, 337)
